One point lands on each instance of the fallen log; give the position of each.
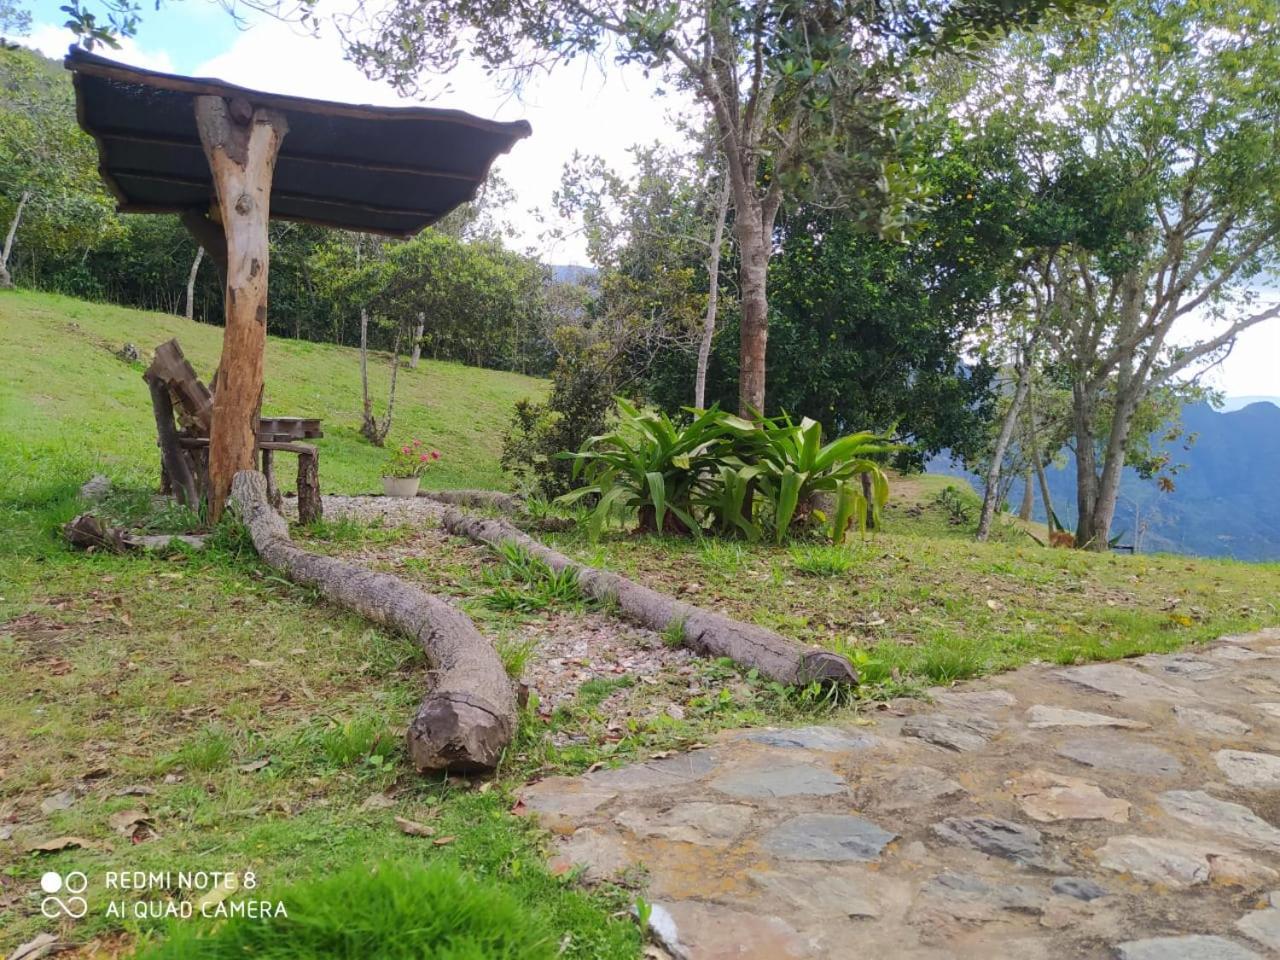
(507, 503)
(469, 716)
(709, 633)
(88, 532)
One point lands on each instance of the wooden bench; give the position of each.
(184, 445)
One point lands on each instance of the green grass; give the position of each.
(920, 602)
(67, 398)
(183, 673)
(390, 912)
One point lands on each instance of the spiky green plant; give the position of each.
(795, 466)
(649, 466)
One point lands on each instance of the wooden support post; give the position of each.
(310, 507)
(176, 465)
(240, 143)
(269, 472)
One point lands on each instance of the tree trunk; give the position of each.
(191, 284)
(241, 144)
(6, 280)
(1086, 464)
(385, 427)
(1028, 496)
(372, 429)
(708, 633)
(753, 251)
(713, 296)
(1037, 462)
(368, 425)
(310, 506)
(418, 329)
(469, 717)
(1104, 505)
(991, 495)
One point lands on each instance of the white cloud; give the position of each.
(53, 41)
(570, 110)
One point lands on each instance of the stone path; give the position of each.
(1127, 810)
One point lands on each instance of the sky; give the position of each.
(573, 110)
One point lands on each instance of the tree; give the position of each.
(799, 93)
(1162, 147)
(49, 189)
(656, 241)
(14, 21)
(872, 333)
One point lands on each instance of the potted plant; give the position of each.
(405, 468)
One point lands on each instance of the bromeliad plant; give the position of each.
(729, 475)
(795, 468)
(649, 466)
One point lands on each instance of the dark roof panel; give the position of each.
(391, 170)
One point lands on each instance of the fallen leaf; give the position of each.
(414, 829)
(253, 766)
(127, 821)
(219, 893)
(59, 843)
(442, 841)
(377, 801)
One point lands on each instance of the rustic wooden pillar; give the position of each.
(175, 466)
(310, 507)
(269, 472)
(240, 143)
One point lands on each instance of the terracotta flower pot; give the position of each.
(400, 486)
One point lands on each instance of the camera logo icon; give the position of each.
(74, 884)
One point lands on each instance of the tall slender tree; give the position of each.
(799, 92)
(1157, 133)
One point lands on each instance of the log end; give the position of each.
(458, 734)
(825, 665)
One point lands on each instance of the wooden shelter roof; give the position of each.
(387, 170)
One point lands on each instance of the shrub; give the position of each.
(727, 474)
(578, 407)
(795, 467)
(649, 466)
(393, 912)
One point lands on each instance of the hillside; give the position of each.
(257, 727)
(1223, 503)
(67, 398)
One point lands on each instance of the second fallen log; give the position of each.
(469, 716)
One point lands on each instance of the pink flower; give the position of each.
(435, 454)
(424, 457)
(404, 449)
(417, 442)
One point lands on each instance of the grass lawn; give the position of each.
(197, 712)
(920, 602)
(162, 684)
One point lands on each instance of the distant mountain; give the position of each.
(1225, 501)
(571, 272)
(1232, 404)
